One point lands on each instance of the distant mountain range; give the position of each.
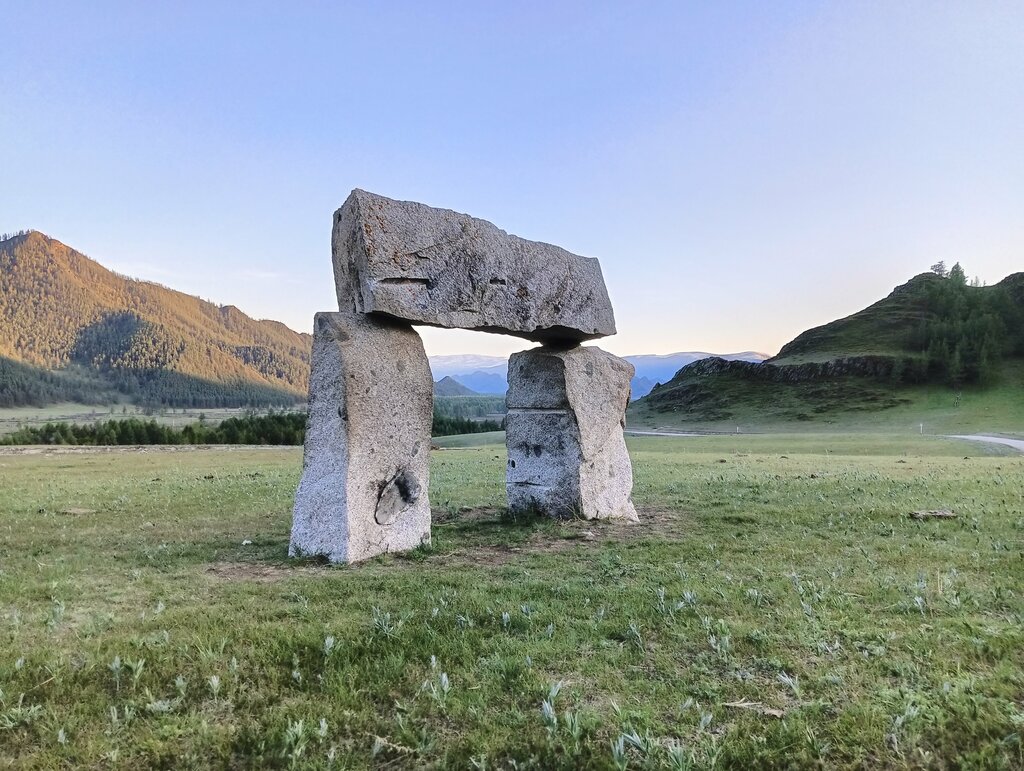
(488, 374)
(652, 369)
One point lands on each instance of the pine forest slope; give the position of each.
(927, 308)
(71, 329)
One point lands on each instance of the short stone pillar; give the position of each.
(367, 456)
(566, 451)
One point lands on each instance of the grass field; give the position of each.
(775, 607)
(851, 405)
(13, 418)
(462, 441)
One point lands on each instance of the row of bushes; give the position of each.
(283, 428)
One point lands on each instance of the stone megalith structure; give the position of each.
(566, 451)
(364, 487)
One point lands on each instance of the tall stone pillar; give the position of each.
(566, 451)
(367, 456)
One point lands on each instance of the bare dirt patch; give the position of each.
(565, 536)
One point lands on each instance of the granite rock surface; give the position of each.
(367, 455)
(438, 267)
(567, 454)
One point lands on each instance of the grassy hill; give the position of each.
(727, 402)
(917, 319)
(71, 330)
(935, 351)
(879, 329)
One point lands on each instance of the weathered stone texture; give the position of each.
(367, 455)
(566, 451)
(435, 266)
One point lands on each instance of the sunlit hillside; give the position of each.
(69, 328)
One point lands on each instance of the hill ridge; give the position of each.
(61, 310)
(449, 386)
(928, 332)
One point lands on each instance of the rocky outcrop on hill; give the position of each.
(869, 366)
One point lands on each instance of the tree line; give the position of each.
(469, 406)
(965, 332)
(284, 428)
(25, 386)
(280, 428)
(449, 425)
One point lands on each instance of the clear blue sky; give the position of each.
(742, 170)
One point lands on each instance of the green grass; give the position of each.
(826, 445)
(774, 608)
(845, 404)
(12, 418)
(470, 440)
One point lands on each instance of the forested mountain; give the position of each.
(935, 328)
(937, 331)
(73, 330)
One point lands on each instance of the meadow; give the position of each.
(851, 405)
(13, 418)
(775, 608)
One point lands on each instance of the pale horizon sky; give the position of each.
(744, 171)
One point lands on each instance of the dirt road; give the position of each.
(1017, 444)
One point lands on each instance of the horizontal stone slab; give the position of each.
(442, 268)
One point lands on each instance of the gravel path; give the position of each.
(632, 432)
(1017, 444)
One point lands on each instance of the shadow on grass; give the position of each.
(483, 536)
